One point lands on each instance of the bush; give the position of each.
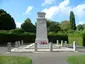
(14, 60)
(27, 34)
(57, 36)
(4, 31)
(76, 36)
(27, 37)
(17, 31)
(16, 35)
(78, 39)
(70, 31)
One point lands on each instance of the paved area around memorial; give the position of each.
(45, 57)
(46, 47)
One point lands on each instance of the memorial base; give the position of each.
(41, 41)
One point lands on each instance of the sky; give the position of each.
(57, 10)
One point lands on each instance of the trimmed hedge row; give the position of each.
(19, 34)
(12, 38)
(28, 38)
(53, 38)
(78, 37)
(31, 38)
(79, 40)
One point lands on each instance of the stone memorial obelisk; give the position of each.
(41, 30)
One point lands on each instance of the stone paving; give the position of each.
(30, 48)
(44, 57)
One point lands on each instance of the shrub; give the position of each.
(17, 31)
(57, 36)
(76, 36)
(78, 39)
(27, 34)
(27, 37)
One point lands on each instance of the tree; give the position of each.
(53, 26)
(84, 26)
(6, 21)
(80, 27)
(65, 25)
(28, 26)
(72, 21)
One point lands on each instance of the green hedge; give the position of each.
(28, 37)
(14, 60)
(78, 39)
(4, 38)
(53, 38)
(19, 34)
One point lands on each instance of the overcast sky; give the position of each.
(57, 10)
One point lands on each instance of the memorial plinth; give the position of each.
(41, 30)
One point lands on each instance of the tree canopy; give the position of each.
(6, 21)
(65, 25)
(53, 26)
(80, 27)
(72, 21)
(28, 26)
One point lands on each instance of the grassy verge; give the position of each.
(14, 60)
(76, 59)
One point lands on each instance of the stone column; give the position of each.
(51, 46)
(16, 44)
(21, 42)
(57, 42)
(74, 46)
(9, 46)
(61, 43)
(65, 43)
(41, 29)
(35, 47)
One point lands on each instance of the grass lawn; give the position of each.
(76, 59)
(14, 60)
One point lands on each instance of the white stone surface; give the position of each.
(41, 32)
(57, 42)
(74, 46)
(61, 42)
(9, 46)
(39, 50)
(30, 45)
(51, 46)
(65, 42)
(16, 44)
(43, 48)
(36, 47)
(21, 42)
